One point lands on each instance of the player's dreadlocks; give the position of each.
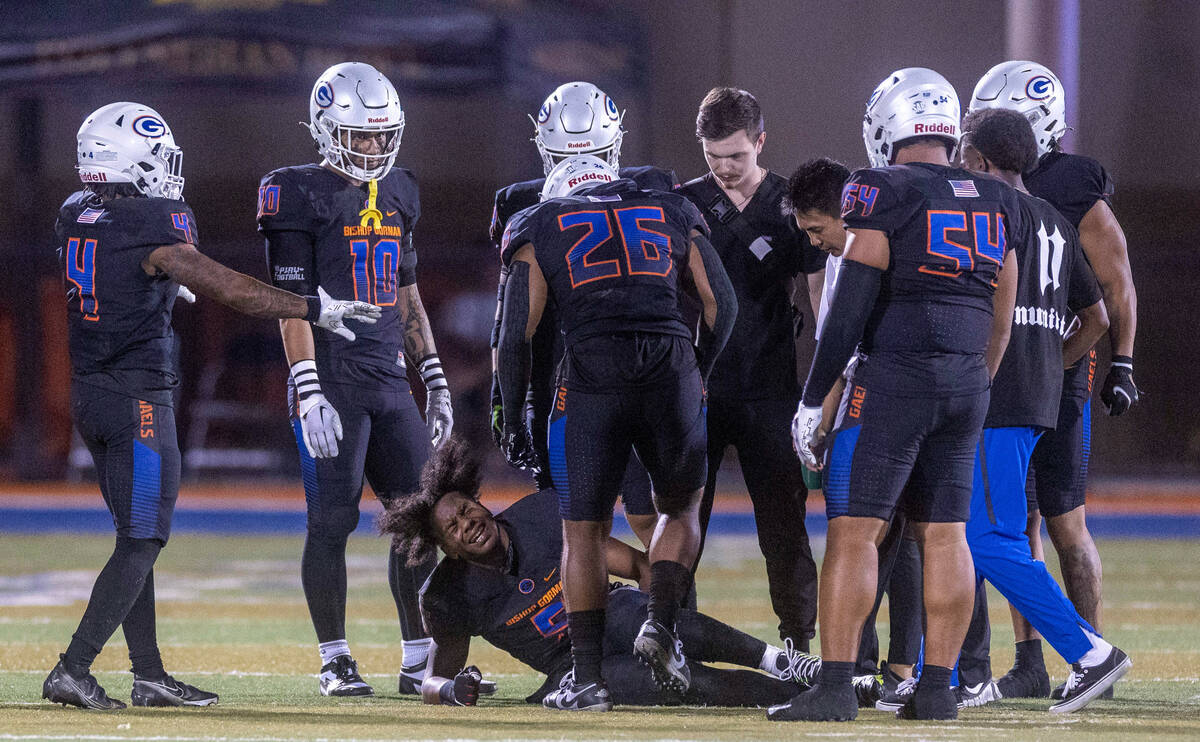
(1004, 137)
(409, 520)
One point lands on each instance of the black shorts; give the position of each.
(913, 452)
(383, 438)
(136, 453)
(593, 429)
(1058, 471)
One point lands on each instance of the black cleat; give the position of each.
(169, 692)
(572, 697)
(339, 677)
(1086, 684)
(895, 691)
(930, 704)
(980, 694)
(412, 676)
(83, 691)
(1057, 693)
(1020, 682)
(656, 646)
(819, 703)
(796, 666)
(868, 689)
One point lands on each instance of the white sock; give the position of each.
(332, 649)
(770, 659)
(1098, 653)
(415, 652)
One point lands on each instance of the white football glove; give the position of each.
(321, 426)
(804, 430)
(186, 294)
(334, 311)
(439, 416)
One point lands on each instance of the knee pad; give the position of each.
(336, 522)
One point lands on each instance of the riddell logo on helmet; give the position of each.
(578, 145)
(588, 176)
(87, 177)
(377, 121)
(935, 129)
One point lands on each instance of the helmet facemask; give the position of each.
(335, 142)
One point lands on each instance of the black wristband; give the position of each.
(1123, 361)
(314, 308)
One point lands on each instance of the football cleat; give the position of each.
(83, 691)
(658, 648)
(1020, 682)
(1085, 684)
(895, 692)
(980, 694)
(168, 691)
(572, 697)
(1057, 693)
(930, 704)
(796, 666)
(819, 703)
(339, 677)
(868, 689)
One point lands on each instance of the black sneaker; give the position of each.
(1022, 682)
(1057, 693)
(656, 646)
(868, 689)
(980, 694)
(411, 677)
(572, 697)
(796, 666)
(895, 691)
(930, 704)
(168, 691)
(339, 677)
(819, 703)
(83, 691)
(1085, 684)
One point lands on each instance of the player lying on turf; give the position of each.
(500, 580)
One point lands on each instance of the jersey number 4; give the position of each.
(645, 251)
(81, 271)
(375, 270)
(983, 231)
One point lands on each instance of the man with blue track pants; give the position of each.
(1056, 287)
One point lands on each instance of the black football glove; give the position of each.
(517, 446)
(497, 417)
(464, 689)
(1119, 392)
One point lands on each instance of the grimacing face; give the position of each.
(733, 159)
(464, 528)
(824, 231)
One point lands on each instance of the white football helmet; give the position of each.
(912, 102)
(576, 173)
(1030, 89)
(130, 143)
(355, 98)
(578, 119)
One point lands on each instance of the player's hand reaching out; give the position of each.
(806, 426)
(466, 686)
(321, 426)
(335, 311)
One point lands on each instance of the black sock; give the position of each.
(586, 629)
(834, 674)
(669, 583)
(709, 640)
(142, 636)
(116, 589)
(1029, 655)
(323, 575)
(934, 677)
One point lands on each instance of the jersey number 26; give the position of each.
(639, 251)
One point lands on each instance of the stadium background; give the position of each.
(232, 78)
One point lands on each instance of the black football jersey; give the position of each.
(319, 233)
(518, 610)
(119, 318)
(612, 257)
(526, 193)
(1055, 281)
(948, 231)
(759, 361)
(1072, 183)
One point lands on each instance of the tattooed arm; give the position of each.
(186, 265)
(419, 348)
(418, 337)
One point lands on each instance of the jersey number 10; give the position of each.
(375, 270)
(645, 251)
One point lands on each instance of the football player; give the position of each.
(1080, 188)
(612, 258)
(127, 246)
(753, 390)
(1059, 316)
(927, 285)
(500, 580)
(576, 119)
(348, 222)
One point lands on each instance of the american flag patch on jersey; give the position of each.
(964, 188)
(89, 216)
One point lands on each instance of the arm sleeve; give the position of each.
(512, 350)
(406, 272)
(290, 262)
(1084, 290)
(853, 300)
(712, 341)
(871, 201)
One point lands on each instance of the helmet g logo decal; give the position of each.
(610, 108)
(324, 95)
(150, 127)
(1039, 88)
(544, 113)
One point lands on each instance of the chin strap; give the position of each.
(371, 216)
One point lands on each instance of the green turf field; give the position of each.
(232, 619)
